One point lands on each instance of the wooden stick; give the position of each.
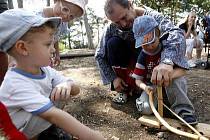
(192, 128)
(170, 128)
(160, 100)
(153, 122)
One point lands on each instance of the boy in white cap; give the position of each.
(149, 37)
(32, 90)
(68, 10)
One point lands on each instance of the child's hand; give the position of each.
(119, 84)
(61, 92)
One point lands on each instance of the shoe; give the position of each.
(198, 61)
(191, 63)
(54, 133)
(188, 117)
(142, 104)
(120, 98)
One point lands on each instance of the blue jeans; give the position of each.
(121, 53)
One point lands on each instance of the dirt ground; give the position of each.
(94, 107)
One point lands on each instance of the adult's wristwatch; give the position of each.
(168, 62)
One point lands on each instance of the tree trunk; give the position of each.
(10, 4)
(48, 2)
(81, 25)
(69, 40)
(88, 31)
(20, 3)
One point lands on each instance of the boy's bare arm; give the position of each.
(178, 72)
(71, 125)
(143, 86)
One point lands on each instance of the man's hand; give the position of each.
(119, 84)
(162, 75)
(61, 92)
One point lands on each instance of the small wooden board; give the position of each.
(152, 122)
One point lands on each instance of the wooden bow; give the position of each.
(197, 134)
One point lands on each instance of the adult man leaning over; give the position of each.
(116, 49)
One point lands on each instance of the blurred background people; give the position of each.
(192, 39)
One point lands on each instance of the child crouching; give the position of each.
(149, 36)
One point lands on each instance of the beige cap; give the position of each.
(80, 3)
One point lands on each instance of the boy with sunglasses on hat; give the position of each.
(32, 91)
(149, 37)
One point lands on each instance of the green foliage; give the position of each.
(172, 7)
(62, 47)
(77, 38)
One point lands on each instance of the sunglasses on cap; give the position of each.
(149, 38)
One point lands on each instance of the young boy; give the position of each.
(31, 90)
(149, 37)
